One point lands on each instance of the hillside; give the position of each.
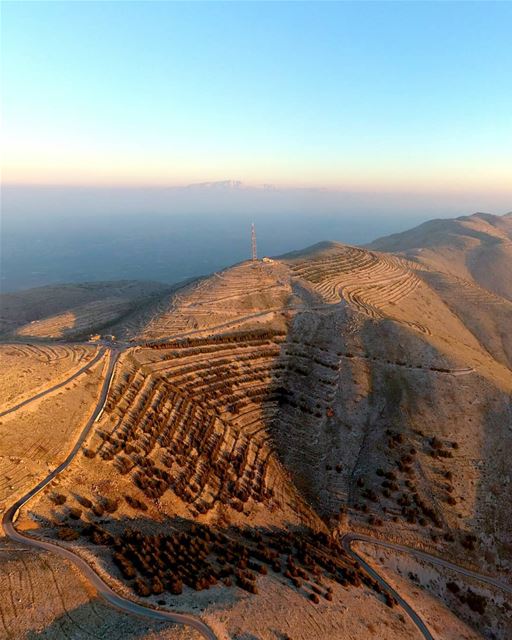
(75, 310)
(261, 413)
(476, 247)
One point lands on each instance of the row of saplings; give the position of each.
(154, 481)
(261, 335)
(201, 557)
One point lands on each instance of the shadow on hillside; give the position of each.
(96, 619)
(493, 504)
(192, 567)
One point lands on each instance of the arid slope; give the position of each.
(263, 411)
(476, 247)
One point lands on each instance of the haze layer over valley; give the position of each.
(249, 442)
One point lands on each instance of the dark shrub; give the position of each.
(66, 533)
(141, 588)
(85, 502)
(453, 587)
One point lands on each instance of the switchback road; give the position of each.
(123, 604)
(422, 627)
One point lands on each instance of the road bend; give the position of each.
(346, 541)
(103, 589)
(348, 538)
(56, 386)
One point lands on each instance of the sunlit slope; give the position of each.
(76, 310)
(477, 247)
(245, 295)
(333, 388)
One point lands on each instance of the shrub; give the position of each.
(135, 503)
(453, 587)
(390, 601)
(475, 602)
(141, 588)
(176, 586)
(156, 586)
(110, 505)
(98, 510)
(66, 533)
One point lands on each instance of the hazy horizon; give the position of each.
(362, 97)
(125, 122)
(52, 236)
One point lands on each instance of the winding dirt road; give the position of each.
(131, 607)
(422, 627)
(56, 386)
(348, 538)
(123, 604)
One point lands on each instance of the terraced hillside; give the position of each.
(365, 279)
(77, 310)
(364, 441)
(476, 248)
(37, 435)
(28, 367)
(191, 415)
(262, 412)
(243, 296)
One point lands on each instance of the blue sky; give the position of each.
(350, 95)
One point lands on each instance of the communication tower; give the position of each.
(253, 243)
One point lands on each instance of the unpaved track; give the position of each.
(101, 587)
(56, 386)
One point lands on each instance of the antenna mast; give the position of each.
(253, 243)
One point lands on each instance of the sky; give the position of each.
(377, 97)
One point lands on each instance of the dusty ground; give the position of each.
(47, 598)
(36, 438)
(424, 584)
(279, 612)
(26, 369)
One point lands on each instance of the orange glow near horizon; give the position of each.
(95, 175)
